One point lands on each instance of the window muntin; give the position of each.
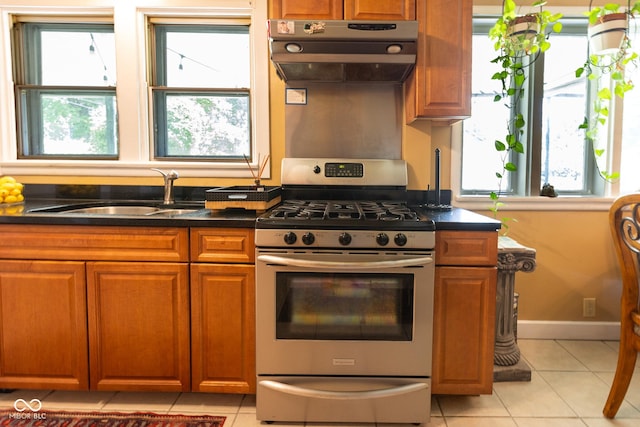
(65, 94)
(201, 91)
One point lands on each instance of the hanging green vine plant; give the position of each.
(518, 39)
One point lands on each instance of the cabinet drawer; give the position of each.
(89, 243)
(467, 248)
(231, 245)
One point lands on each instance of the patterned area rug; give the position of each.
(105, 419)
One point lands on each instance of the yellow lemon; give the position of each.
(7, 178)
(19, 186)
(15, 192)
(8, 185)
(3, 193)
(20, 197)
(10, 199)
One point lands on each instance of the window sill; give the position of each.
(117, 168)
(567, 203)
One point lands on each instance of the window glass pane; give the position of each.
(71, 123)
(202, 91)
(78, 58)
(208, 59)
(480, 161)
(215, 125)
(629, 170)
(563, 110)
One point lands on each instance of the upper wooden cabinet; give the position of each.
(440, 87)
(396, 10)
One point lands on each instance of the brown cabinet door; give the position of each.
(43, 329)
(306, 9)
(440, 87)
(464, 330)
(223, 328)
(138, 326)
(396, 10)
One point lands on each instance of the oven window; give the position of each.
(344, 306)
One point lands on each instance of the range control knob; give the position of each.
(316, 169)
(382, 239)
(308, 238)
(290, 238)
(344, 239)
(400, 239)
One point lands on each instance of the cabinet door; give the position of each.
(464, 330)
(223, 328)
(304, 9)
(43, 329)
(440, 86)
(138, 326)
(397, 10)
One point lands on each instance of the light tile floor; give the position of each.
(569, 384)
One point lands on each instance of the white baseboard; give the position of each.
(541, 329)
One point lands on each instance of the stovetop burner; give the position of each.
(343, 210)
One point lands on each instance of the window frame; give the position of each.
(132, 91)
(158, 30)
(530, 202)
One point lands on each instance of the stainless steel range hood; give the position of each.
(343, 51)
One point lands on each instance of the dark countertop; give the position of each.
(462, 219)
(39, 196)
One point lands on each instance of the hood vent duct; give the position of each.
(343, 51)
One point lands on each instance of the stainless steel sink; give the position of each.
(130, 211)
(119, 210)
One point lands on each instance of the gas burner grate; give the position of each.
(340, 210)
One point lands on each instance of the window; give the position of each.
(201, 91)
(66, 95)
(556, 103)
(629, 170)
(118, 89)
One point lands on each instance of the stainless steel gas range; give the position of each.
(344, 296)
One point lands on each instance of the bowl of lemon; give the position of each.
(10, 191)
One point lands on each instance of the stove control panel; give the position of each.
(360, 239)
(340, 170)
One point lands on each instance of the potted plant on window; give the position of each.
(609, 56)
(518, 39)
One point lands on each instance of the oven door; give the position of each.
(332, 312)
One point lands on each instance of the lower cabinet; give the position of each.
(464, 312)
(43, 325)
(127, 308)
(138, 326)
(223, 328)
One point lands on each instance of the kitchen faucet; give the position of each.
(169, 177)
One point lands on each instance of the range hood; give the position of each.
(343, 51)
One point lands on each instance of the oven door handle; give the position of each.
(345, 265)
(343, 395)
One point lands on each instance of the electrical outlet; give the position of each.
(589, 307)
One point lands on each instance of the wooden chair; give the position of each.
(624, 220)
